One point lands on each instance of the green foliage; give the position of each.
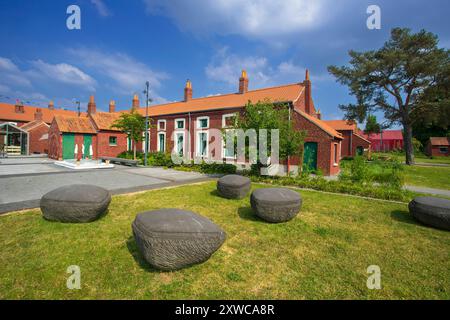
(208, 168)
(372, 126)
(267, 115)
(417, 145)
(347, 187)
(160, 159)
(133, 124)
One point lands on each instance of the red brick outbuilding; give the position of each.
(438, 147)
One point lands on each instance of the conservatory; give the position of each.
(13, 140)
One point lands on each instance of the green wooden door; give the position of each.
(68, 145)
(310, 156)
(359, 151)
(87, 145)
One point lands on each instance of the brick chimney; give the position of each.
(243, 82)
(112, 106)
(308, 99)
(188, 91)
(92, 107)
(38, 114)
(51, 106)
(135, 103)
(19, 108)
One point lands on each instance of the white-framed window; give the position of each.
(112, 141)
(443, 150)
(203, 123)
(180, 124)
(228, 153)
(162, 125)
(146, 141)
(161, 142)
(227, 119)
(202, 143)
(335, 149)
(179, 143)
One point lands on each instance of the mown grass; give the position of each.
(322, 254)
(432, 177)
(419, 158)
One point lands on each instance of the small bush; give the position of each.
(208, 168)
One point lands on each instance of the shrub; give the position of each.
(208, 168)
(160, 159)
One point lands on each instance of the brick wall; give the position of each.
(104, 149)
(358, 142)
(38, 139)
(54, 142)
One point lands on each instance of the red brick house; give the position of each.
(438, 147)
(92, 131)
(388, 140)
(32, 121)
(353, 143)
(185, 126)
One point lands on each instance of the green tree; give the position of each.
(372, 126)
(267, 115)
(393, 79)
(133, 124)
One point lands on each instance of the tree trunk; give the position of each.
(408, 145)
(134, 150)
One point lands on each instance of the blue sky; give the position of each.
(122, 44)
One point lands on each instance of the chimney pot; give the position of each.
(188, 91)
(243, 82)
(135, 103)
(112, 106)
(51, 105)
(92, 107)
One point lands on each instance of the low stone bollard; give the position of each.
(275, 204)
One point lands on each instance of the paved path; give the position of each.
(22, 185)
(440, 192)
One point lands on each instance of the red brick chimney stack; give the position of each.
(112, 106)
(38, 114)
(51, 105)
(319, 114)
(243, 82)
(135, 103)
(92, 107)
(308, 99)
(19, 108)
(188, 91)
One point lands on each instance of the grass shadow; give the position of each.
(404, 217)
(246, 213)
(139, 258)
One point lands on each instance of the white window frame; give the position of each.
(165, 125)
(176, 133)
(224, 118)
(335, 154)
(109, 141)
(198, 120)
(224, 148)
(159, 141)
(176, 124)
(198, 145)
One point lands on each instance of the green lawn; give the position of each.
(419, 158)
(432, 177)
(322, 254)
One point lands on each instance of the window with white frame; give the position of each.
(202, 143)
(228, 149)
(179, 143)
(180, 124)
(161, 142)
(228, 120)
(162, 125)
(203, 123)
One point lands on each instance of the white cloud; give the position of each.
(263, 19)
(65, 73)
(127, 75)
(226, 67)
(101, 7)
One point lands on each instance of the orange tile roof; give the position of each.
(8, 113)
(104, 120)
(30, 125)
(74, 124)
(285, 93)
(321, 124)
(440, 141)
(341, 124)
